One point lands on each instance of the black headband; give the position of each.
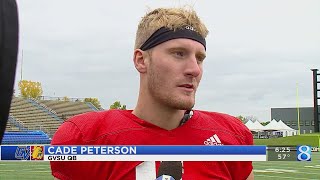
(165, 34)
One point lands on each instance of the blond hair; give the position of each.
(172, 18)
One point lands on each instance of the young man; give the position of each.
(169, 51)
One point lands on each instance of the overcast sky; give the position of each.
(257, 51)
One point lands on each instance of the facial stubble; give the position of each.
(161, 91)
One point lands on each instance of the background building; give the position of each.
(290, 117)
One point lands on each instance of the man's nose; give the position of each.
(193, 67)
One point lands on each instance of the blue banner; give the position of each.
(15, 153)
(155, 150)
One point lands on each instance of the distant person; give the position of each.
(169, 51)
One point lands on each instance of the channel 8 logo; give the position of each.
(303, 153)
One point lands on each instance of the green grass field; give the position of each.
(288, 170)
(305, 139)
(262, 170)
(25, 170)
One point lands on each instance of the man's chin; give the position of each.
(185, 105)
(180, 102)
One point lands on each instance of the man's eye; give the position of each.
(179, 53)
(200, 60)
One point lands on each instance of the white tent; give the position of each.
(272, 126)
(254, 126)
(286, 130)
(249, 125)
(258, 127)
(277, 128)
(283, 126)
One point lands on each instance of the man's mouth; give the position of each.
(188, 87)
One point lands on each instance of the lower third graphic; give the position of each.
(22, 153)
(303, 153)
(37, 152)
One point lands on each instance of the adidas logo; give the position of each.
(213, 141)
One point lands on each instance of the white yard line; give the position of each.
(280, 171)
(283, 177)
(304, 168)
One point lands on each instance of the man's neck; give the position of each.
(157, 114)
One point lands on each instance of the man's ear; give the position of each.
(139, 60)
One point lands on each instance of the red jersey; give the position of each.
(121, 127)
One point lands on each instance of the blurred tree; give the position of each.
(30, 89)
(94, 101)
(65, 98)
(251, 118)
(243, 119)
(117, 105)
(265, 123)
